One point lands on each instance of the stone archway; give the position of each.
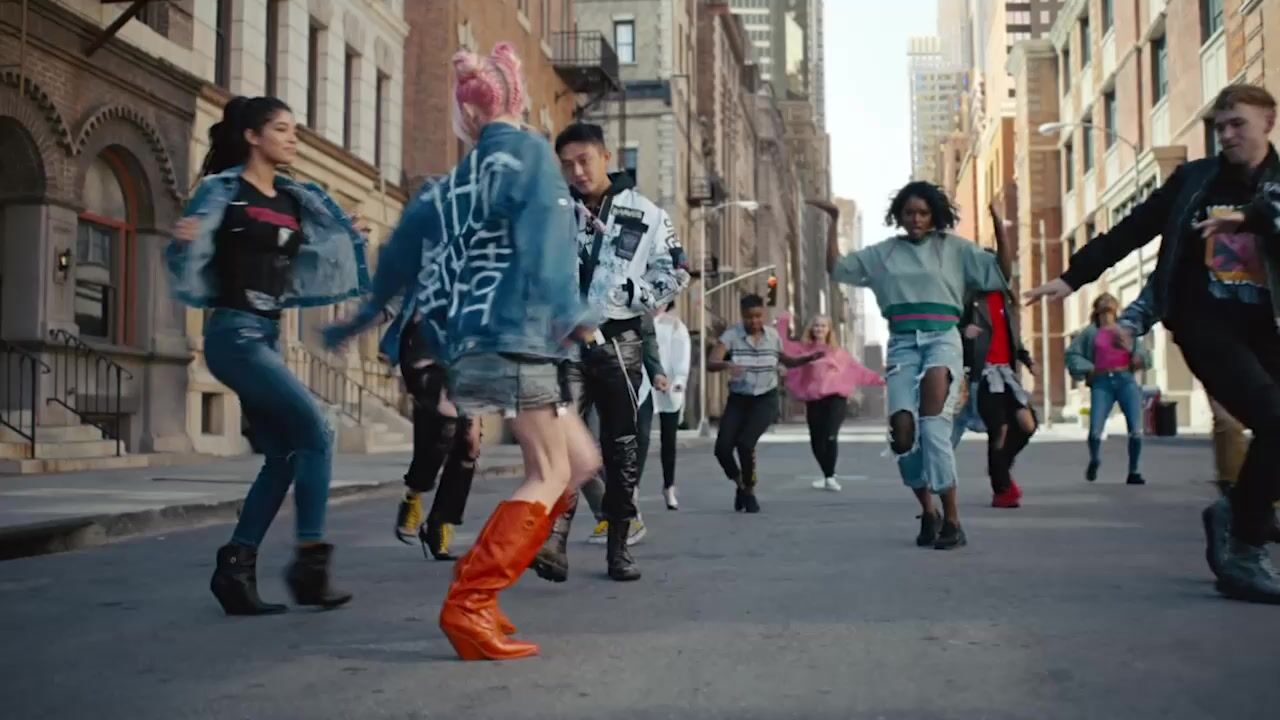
(22, 178)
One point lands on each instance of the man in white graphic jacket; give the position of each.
(629, 264)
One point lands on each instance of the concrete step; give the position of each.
(53, 434)
(59, 450)
(64, 465)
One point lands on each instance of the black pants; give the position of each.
(437, 440)
(825, 417)
(1236, 355)
(667, 425)
(745, 419)
(601, 380)
(644, 426)
(1005, 436)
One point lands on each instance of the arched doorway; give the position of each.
(21, 178)
(105, 254)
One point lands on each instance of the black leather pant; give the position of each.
(601, 380)
(437, 440)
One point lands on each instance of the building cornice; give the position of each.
(1022, 51)
(1070, 12)
(387, 20)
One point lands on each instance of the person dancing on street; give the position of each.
(488, 253)
(1106, 358)
(750, 351)
(252, 243)
(1218, 289)
(993, 349)
(921, 280)
(674, 350)
(824, 386)
(441, 437)
(629, 264)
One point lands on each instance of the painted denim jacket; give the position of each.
(330, 266)
(485, 257)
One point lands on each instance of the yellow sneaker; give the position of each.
(436, 539)
(600, 534)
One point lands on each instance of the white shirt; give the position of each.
(674, 347)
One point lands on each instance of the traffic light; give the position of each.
(773, 291)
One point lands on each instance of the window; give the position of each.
(1086, 146)
(1108, 15)
(1210, 18)
(313, 77)
(156, 16)
(380, 117)
(273, 44)
(630, 162)
(523, 6)
(1086, 43)
(1066, 69)
(1112, 118)
(624, 41)
(104, 249)
(1068, 166)
(222, 45)
(1159, 69)
(348, 99)
(544, 19)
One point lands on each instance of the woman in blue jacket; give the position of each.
(252, 243)
(489, 255)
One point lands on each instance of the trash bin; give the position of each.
(1166, 419)
(1150, 401)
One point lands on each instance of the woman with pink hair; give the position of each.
(486, 261)
(824, 385)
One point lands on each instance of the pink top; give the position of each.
(1108, 353)
(835, 373)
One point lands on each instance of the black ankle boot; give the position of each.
(308, 578)
(552, 561)
(235, 582)
(621, 566)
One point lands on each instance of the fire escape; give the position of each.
(588, 65)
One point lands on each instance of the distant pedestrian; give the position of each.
(824, 386)
(921, 279)
(674, 349)
(750, 351)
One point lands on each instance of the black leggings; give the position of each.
(1005, 435)
(438, 440)
(667, 424)
(825, 417)
(745, 419)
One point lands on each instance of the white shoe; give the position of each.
(819, 484)
(669, 495)
(831, 485)
(637, 531)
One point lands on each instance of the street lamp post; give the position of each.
(749, 206)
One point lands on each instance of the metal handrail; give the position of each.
(80, 372)
(30, 368)
(330, 384)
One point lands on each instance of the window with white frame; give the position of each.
(624, 40)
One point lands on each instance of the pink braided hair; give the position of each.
(486, 88)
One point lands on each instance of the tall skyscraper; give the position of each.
(757, 20)
(934, 90)
(787, 36)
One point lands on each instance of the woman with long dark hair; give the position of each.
(824, 386)
(1105, 357)
(489, 257)
(921, 279)
(252, 243)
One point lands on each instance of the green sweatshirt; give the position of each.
(921, 285)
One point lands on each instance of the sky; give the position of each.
(868, 109)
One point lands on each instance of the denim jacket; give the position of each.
(330, 266)
(1141, 315)
(1079, 356)
(485, 257)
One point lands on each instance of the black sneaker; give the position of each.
(930, 523)
(1135, 479)
(952, 536)
(1091, 472)
(749, 503)
(738, 504)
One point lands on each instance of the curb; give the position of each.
(63, 535)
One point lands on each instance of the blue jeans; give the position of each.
(287, 425)
(1107, 390)
(931, 462)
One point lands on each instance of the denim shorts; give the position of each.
(492, 382)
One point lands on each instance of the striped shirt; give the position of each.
(758, 357)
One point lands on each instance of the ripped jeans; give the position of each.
(287, 425)
(931, 462)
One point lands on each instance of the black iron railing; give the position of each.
(588, 58)
(384, 383)
(89, 384)
(328, 383)
(22, 372)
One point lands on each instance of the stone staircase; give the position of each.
(69, 448)
(365, 420)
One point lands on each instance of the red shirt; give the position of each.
(1000, 351)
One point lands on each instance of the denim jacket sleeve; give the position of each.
(1079, 355)
(177, 254)
(1140, 316)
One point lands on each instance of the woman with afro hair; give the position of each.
(921, 278)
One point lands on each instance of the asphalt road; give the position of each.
(1092, 601)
